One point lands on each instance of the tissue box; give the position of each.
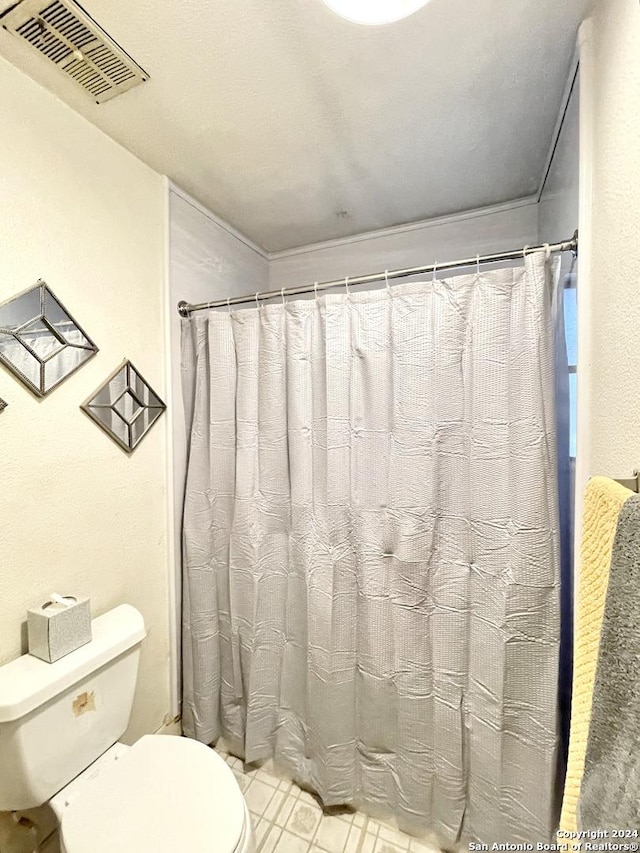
(59, 627)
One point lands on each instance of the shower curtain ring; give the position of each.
(478, 264)
(315, 289)
(228, 304)
(386, 281)
(435, 269)
(282, 297)
(257, 302)
(524, 251)
(547, 252)
(346, 284)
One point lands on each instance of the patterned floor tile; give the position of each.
(270, 842)
(304, 818)
(287, 807)
(374, 826)
(242, 780)
(396, 840)
(353, 839)
(252, 772)
(369, 843)
(333, 834)
(290, 843)
(417, 846)
(275, 805)
(385, 845)
(287, 819)
(258, 796)
(260, 829)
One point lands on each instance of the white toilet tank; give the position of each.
(57, 718)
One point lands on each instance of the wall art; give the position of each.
(125, 406)
(40, 342)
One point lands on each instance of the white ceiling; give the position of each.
(296, 126)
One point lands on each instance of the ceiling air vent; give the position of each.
(64, 33)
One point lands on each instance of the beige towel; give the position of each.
(603, 501)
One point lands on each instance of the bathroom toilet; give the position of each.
(59, 730)
(162, 794)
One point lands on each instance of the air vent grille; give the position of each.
(67, 36)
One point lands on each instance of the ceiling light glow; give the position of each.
(374, 12)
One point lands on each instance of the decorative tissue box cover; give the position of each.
(55, 630)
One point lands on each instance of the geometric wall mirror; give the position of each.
(125, 407)
(40, 342)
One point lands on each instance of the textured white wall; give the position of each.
(78, 514)
(610, 404)
(445, 239)
(558, 209)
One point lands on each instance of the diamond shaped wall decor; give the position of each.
(125, 407)
(40, 342)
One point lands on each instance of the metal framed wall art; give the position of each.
(40, 342)
(125, 407)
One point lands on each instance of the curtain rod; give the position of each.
(185, 309)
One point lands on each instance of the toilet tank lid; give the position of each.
(28, 682)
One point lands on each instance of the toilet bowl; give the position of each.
(164, 794)
(60, 725)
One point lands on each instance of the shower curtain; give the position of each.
(371, 548)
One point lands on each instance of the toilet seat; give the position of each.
(166, 794)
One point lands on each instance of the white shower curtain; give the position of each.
(371, 548)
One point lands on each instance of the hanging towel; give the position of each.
(604, 499)
(610, 792)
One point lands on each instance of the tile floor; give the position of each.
(289, 820)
